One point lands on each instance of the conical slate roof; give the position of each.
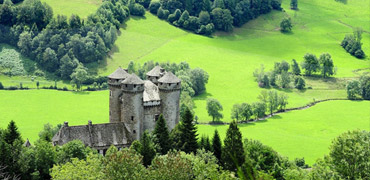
(156, 71)
(132, 79)
(169, 78)
(27, 143)
(119, 74)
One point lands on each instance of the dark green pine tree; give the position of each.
(162, 135)
(147, 149)
(216, 146)
(202, 142)
(188, 133)
(11, 134)
(207, 144)
(233, 152)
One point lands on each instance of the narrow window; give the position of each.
(132, 118)
(134, 131)
(135, 86)
(126, 85)
(156, 117)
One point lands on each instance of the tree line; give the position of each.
(352, 43)
(270, 101)
(60, 45)
(357, 89)
(206, 16)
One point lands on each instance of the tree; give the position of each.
(286, 25)
(282, 101)
(353, 89)
(259, 109)
(310, 64)
(365, 87)
(216, 146)
(45, 156)
(222, 19)
(295, 68)
(162, 135)
(236, 112)
(91, 168)
(271, 99)
(171, 166)
(294, 4)
(204, 17)
(12, 134)
(48, 132)
(78, 76)
(72, 149)
(233, 152)
(246, 111)
(37, 84)
(300, 83)
(1, 86)
(147, 149)
(350, 155)
(124, 164)
(188, 133)
(327, 65)
(213, 108)
(284, 79)
(199, 79)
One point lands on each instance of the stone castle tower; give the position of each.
(138, 103)
(134, 106)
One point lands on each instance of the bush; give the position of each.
(12, 88)
(65, 88)
(286, 25)
(137, 10)
(300, 83)
(154, 6)
(1, 86)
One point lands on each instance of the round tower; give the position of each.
(132, 108)
(155, 74)
(169, 91)
(114, 82)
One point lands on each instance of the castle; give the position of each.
(134, 106)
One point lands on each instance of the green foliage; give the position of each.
(73, 149)
(187, 133)
(259, 109)
(48, 132)
(350, 155)
(222, 19)
(213, 108)
(352, 43)
(124, 164)
(241, 111)
(233, 152)
(205, 144)
(45, 158)
(365, 86)
(322, 170)
(294, 4)
(286, 25)
(270, 98)
(353, 89)
(327, 65)
(80, 169)
(295, 174)
(283, 80)
(171, 166)
(11, 63)
(300, 83)
(1, 86)
(217, 146)
(147, 149)
(154, 6)
(162, 136)
(11, 134)
(295, 68)
(310, 64)
(78, 76)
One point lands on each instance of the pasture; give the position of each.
(83, 8)
(231, 58)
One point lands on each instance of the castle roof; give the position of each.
(27, 143)
(151, 92)
(119, 74)
(156, 71)
(132, 79)
(99, 136)
(169, 77)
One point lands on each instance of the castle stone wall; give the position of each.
(170, 107)
(150, 113)
(114, 104)
(132, 113)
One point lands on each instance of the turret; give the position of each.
(155, 74)
(114, 82)
(132, 109)
(169, 91)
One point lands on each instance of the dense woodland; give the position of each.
(60, 44)
(206, 16)
(179, 154)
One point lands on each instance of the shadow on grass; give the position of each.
(81, 92)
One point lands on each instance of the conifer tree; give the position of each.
(188, 133)
(233, 152)
(147, 149)
(162, 135)
(295, 68)
(216, 145)
(12, 133)
(207, 144)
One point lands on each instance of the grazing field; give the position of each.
(83, 8)
(31, 109)
(305, 133)
(231, 58)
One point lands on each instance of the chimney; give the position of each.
(90, 122)
(65, 124)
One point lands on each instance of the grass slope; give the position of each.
(31, 109)
(230, 59)
(83, 8)
(307, 133)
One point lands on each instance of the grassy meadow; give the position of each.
(83, 8)
(231, 58)
(306, 133)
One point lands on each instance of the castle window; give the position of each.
(135, 86)
(134, 131)
(132, 118)
(126, 85)
(156, 117)
(111, 93)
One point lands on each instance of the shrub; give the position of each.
(300, 83)
(1, 86)
(154, 6)
(137, 10)
(286, 25)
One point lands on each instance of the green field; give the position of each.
(230, 59)
(306, 133)
(83, 8)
